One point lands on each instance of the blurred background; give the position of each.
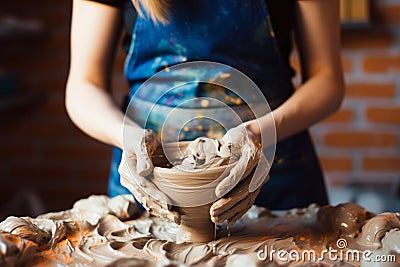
(47, 163)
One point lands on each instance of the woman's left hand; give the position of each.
(239, 193)
(237, 202)
(239, 142)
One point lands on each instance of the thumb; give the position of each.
(144, 166)
(123, 166)
(147, 147)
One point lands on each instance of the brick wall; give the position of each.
(44, 153)
(360, 142)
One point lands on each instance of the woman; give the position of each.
(235, 33)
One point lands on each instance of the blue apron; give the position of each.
(237, 34)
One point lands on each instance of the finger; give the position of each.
(159, 208)
(223, 204)
(122, 168)
(127, 168)
(144, 166)
(153, 203)
(240, 208)
(146, 193)
(248, 202)
(148, 144)
(169, 215)
(246, 206)
(220, 206)
(237, 216)
(236, 195)
(134, 188)
(131, 176)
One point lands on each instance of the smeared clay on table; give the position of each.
(100, 231)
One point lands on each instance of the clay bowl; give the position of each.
(191, 192)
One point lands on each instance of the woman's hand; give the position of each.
(238, 190)
(139, 145)
(136, 165)
(237, 202)
(244, 145)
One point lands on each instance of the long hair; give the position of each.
(157, 10)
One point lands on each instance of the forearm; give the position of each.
(95, 31)
(313, 101)
(95, 113)
(318, 41)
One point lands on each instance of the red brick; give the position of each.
(381, 64)
(336, 164)
(386, 14)
(32, 140)
(384, 115)
(342, 115)
(381, 163)
(347, 65)
(360, 139)
(370, 90)
(366, 39)
(336, 183)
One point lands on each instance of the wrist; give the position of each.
(253, 126)
(264, 128)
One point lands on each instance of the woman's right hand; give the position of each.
(140, 144)
(135, 169)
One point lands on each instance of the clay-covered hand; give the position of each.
(140, 147)
(237, 202)
(135, 165)
(242, 145)
(145, 192)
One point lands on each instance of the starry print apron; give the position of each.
(237, 34)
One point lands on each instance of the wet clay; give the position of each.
(102, 231)
(191, 183)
